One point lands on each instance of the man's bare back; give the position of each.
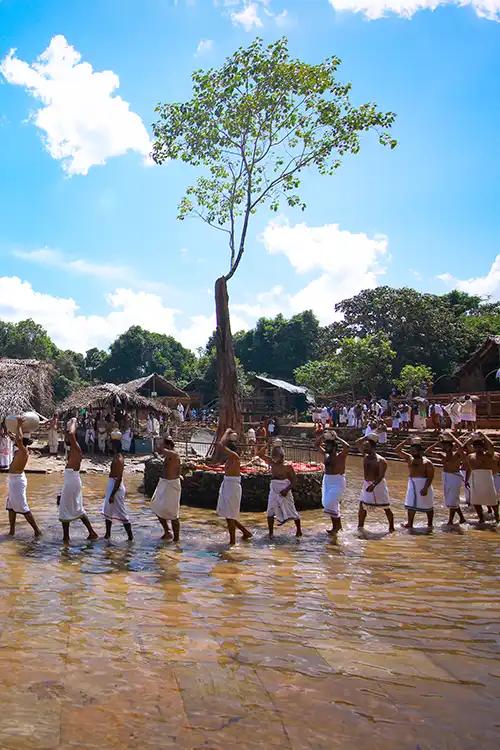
(18, 463)
(75, 452)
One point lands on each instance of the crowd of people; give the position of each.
(471, 463)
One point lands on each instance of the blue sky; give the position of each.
(89, 240)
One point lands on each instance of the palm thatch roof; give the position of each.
(153, 383)
(26, 384)
(107, 396)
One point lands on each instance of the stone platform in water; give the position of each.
(200, 488)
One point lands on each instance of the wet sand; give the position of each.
(386, 642)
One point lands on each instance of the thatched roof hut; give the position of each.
(108, 396)
(157, 387)
(26, 384)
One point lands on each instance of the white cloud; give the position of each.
(54, 259)
(484, 286)
(83, 121)
(248, 17)
(71, 329)
(205, 46)
(374, 9)
(347, 263)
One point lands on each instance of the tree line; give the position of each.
(384, 336)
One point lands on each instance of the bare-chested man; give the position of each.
(17, 501)
(453, 457)
(71, 499)
(335, 452)
(228, 504)
(114, 501)
(419, 495)
(167, 497)
(479, 475)
(281, 504)
(375, 493)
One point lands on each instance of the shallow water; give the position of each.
(311, 644)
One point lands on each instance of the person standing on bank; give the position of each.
(419, 494)
(167, 496)
(16, 500)
(228, 504)
(71, 499)
(114, 507)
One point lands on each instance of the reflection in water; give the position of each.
(361, 641)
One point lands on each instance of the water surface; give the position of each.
(369, 642)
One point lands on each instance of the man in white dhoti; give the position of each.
(167, 496)
(71, 498)
(102, 434)
(228, 504)
(114, 507)
(53, 436)
(6, 448)
(374, 493)
(281, 504)
(454, 411)
(419, 494)
(482, 465)
(468, 414)
(453, 456)
(335, 452)
(16, 500)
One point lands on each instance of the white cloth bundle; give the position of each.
(452, 484)
(228, 504)
(282, 508)
(16, 499)
(414, 500)
(116, 510)
(463, 474)
(482, 487)
(167, 499)
(332, 491)
(71, 502)
(378, 498)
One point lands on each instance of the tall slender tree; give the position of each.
(253, 126)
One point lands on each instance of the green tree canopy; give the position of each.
(138, 352)
(277, 346)
(26, 340)
(362, 366)
(414, 376)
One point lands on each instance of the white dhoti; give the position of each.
(101, 441)
(416, 501)
(16, 499)
(379, 498)
(452, 484)
(228, 504)
(53, 442)
(463, 474)
(496, 479)
(482, 487)
(71, 502)
(117, 510)
(332, 491)
(279, 507)
(167, 499)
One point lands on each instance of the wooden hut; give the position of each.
(157, 388)
(276, 397)
(26, 385)
(479, 373)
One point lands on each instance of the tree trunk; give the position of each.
(229, 401)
